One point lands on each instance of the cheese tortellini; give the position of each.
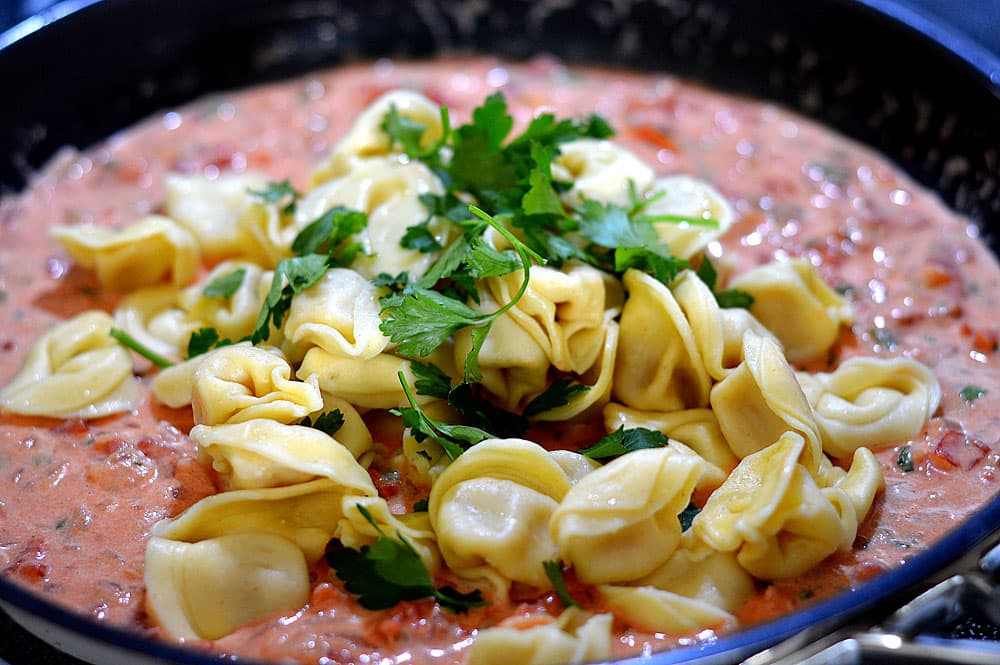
(75, 370)
(573, 639)
(141, 254)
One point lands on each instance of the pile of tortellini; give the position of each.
(750, 437)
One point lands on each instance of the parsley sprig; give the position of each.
(390, 571)
(130, 342)
(453, 439)
(623, 441)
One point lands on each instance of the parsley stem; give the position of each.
(131, 343)
(694, 221)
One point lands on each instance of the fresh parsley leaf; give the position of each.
(484, 261)
(905, 459)
(419, 238)
(623, 441)
(453, 439)
(734, 299)
(390, 571)
(424, 320)
(972, 393)
(556, 395)
(404, 131)
(328, 422)
(664, 268)
(553, 571)
(486, 416)
(330, 235)
(729, 298)
(130, 342)
(279, 193)
(420, 506)
(609, 225)
(291, 276)
(204, 340)
(430, 380)
(687, 516)
(226, 285)
(541, 197)
(394, 282)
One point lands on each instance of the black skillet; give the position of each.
(874, 71)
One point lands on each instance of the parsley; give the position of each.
(687, 516)
(130, 342)
(623, 441)
(291, 276)
(453, 439)
(486, 416)
(328, 422)
(226, 285)
(430, 380)
(905, 459)
(729, 298)
(419, 238)
(329, 234)
(971, 393)
(556, 395)
(420, 506)
(553, 571)
(280, 193)
(204, 340)
(423, 319)
(390, 571)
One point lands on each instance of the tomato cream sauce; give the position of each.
(77, 500)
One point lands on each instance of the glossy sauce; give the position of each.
(77, 500)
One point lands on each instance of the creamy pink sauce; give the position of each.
(77, 500)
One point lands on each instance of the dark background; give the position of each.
(977, 19)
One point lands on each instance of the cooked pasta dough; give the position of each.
(574, 639)
(142, 254)
(600, 170)
(684, 196)
(75, 370)
(871, 402)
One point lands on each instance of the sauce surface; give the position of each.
(77, 500)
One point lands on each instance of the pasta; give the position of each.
(486, 383)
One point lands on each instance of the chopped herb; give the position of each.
(687, 516)
(623, 441)
(807, 594)
(281, 193)
(204, 340)
(419, 238)
(845, 289)
(130, 342)
(226, 285)
(420, 506)
(972, 393)
(328, 422)
(61, 524)
(330, 234)
(390, 571)
(556, 395)
(484, 415)
(453, 439)
(905, 459)
(291, 276)
(728, 298)
(430, 380)
(553, 571)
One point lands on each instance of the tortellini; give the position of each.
(659, 366)
(388, 190)
(366, 138)
(491, 509)
(233, 316)
(142, 254)
(794, 286)
(211, 208)
(237, 383)
(871, 402)
(663, 611)
(153, 317)
(620, 522)
(600, 170)
(265, 453)
(210, 588)
(573, 639)
(778, 519)
(75, 370)
(340, 314)
(761, 399)
(685, 196)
